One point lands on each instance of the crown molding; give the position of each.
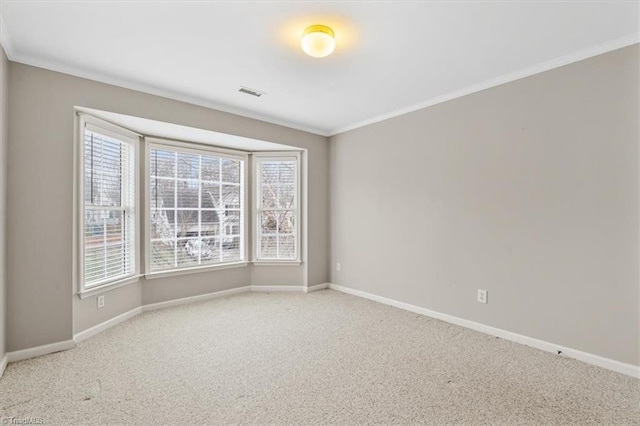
(5, 40)
(6, 43)
(144, 88)
(507, 78)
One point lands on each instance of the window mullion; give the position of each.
(200, 242)
(104, 242)
(277, 218)
(124, 243)
(220, 211)
(258, 183)
(92, 169)
(175, 209)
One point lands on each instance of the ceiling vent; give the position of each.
(251, 92)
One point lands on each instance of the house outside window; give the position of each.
(196, 207)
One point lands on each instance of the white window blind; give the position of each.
(196, 208)
(109, 250)
(277, 208)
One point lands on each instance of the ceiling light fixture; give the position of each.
(318, 41)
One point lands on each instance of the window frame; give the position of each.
(257, 158)
(200, 149)
(125, 136)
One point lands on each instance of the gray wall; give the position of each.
(528, 190)
(4, 76)
(40, 155)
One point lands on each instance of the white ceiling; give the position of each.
(391, 57)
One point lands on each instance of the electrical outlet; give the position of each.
(100, 302)
(338, 267)
(482, 295)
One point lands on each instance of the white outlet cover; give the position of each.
(338, 267)
(100, 302)
(482, 295)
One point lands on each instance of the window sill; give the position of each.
(107, 287)
(276, 262)
(210, 268)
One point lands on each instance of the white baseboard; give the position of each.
(3, 364)
(90, 332)
(40, 350)
(316, 287)
(85, 334)
(270, 288)
(191, 299)
(610, 364)
(620, 367)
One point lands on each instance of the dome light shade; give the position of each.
(318, 41)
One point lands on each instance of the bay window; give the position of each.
(189, 212)
(196, 207)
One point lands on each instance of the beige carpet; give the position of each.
(325, 357)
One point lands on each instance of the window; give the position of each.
(194, 215)
(108, 211)
(277, 214)
(196, 208)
